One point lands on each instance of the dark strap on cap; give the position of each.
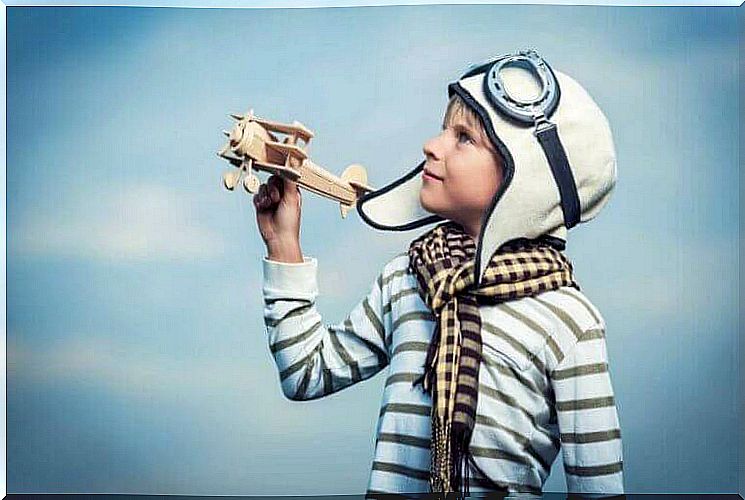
(557, 158)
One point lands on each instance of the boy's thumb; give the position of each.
(291, 189)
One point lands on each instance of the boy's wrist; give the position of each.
(285, 251)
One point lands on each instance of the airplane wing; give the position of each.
(228, 154)
(289, 149)
(296, 128)
(280, 170)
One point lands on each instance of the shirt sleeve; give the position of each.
(316, 359)
(588, 419)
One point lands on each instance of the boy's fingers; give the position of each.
(275, 183)
(262, 193)
(273, 193)
(287, 189)
(261, 198)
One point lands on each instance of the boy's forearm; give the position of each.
(316, 358)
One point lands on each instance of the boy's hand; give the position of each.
(278, 204)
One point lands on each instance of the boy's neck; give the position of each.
(472, 229)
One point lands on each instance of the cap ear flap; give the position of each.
(396, 206)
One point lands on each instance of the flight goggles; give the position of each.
(525, 109)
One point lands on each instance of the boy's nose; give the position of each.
(431, 149)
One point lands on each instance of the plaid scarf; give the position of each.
(443, 262)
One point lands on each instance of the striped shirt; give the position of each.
(544, 383)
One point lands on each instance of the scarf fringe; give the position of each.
(461, 453)
(449, 468)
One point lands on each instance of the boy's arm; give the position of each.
(588, 418)
(315, 359)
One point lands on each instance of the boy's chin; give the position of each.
(429, 207)
(432, 211)
(439, 213)
(435, 211)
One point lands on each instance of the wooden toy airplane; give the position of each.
(253, 145)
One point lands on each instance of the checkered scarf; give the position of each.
(443, 262)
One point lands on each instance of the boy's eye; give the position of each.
(464, 137)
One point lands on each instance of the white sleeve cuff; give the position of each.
(291, 280)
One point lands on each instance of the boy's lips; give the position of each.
(427, 174)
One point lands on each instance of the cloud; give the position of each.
(125, 370)
(142, 222)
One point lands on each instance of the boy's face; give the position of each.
(461, 174)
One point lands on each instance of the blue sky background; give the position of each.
(137, 358)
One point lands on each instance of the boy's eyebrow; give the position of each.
(475, 135)
(459, 123)
(465, 127)
(461, 126)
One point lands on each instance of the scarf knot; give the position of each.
(443, 262)
(450, 286)
(446, 262)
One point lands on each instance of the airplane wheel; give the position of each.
(251, 184)
(229, 180)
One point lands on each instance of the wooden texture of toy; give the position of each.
(253, 144)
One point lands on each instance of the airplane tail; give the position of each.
(356, 176)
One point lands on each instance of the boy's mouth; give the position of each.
(429, 175)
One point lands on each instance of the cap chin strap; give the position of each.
(535, 111)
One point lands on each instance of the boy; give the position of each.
(496, 359)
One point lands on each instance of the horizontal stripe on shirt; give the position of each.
(544, 382)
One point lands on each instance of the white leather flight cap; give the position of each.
(557, 150)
